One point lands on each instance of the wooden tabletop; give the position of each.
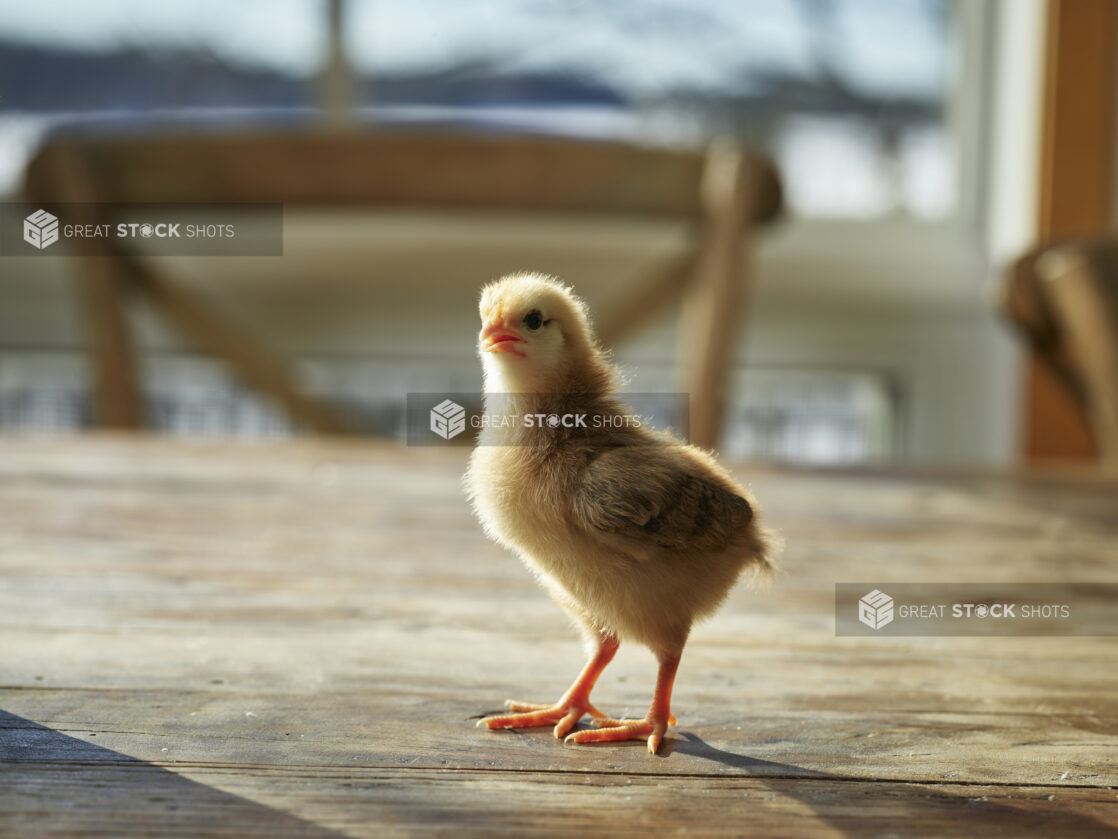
(296, 638)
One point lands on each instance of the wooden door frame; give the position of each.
(1076, 177)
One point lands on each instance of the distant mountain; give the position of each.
(130, 82)
(37, 78)
(44, 79)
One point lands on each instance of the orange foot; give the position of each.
(610, 730)
(564, 714)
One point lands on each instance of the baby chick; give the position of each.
(634, 533)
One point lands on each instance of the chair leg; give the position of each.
(102, 292)
(712, 308)
(103, 295)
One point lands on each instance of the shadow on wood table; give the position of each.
(53, 784)
(860, 809)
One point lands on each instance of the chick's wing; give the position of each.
(655, 499)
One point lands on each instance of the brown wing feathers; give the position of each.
(677, 509)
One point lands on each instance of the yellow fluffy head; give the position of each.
(536, 337)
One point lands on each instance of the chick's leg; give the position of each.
(653, 726)
(572, 705)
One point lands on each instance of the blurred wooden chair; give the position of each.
(726, 192)
(1063, 297)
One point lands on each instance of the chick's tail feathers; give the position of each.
(764, 563)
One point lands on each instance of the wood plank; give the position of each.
(300, 635)
(415, 721)
(253, 800)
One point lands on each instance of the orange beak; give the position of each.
(496, 337)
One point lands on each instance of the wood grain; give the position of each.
(296, 638)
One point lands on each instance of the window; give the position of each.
(875, 111)
(851, 96)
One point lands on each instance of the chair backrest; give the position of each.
(722, 191)
(398, 170)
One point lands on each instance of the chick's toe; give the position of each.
(563, 714)
(653, 729)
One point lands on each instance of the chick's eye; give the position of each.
(533, 320)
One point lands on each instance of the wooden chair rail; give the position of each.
(399, 170)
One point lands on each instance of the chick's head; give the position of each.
(536, 337)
